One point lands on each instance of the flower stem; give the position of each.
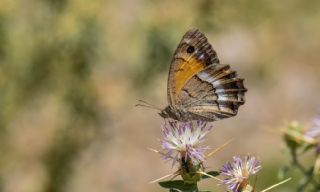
(197, 189)
(308, 174)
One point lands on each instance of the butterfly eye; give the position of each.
(190, 49)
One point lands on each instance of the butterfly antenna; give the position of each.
(147, 105)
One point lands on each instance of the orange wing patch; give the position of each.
(186, 68)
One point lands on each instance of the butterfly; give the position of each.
(199, 87)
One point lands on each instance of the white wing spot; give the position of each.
(205, 77)
(201, 57)
(222, 98)
(187, 41)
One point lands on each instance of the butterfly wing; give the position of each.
(192, 55)
(199, 88)
(212, 94)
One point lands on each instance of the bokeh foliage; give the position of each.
(72, 70)
(48, 52)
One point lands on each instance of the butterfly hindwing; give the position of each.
(213, 93)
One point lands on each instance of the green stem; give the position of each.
(308, 174)
(197, 189)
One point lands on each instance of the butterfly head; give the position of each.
(170, 112)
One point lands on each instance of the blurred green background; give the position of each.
(71, 72)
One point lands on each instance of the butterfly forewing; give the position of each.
(192, 55)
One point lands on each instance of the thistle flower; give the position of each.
(314, 133)
(237, 173)
(181, 140)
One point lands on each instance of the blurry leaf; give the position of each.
(205, 16)
(212, 173)
(58, 162)
(2, 37)
(174, 190)
(307, 148)
(178, 185)
(283, 171)
(302, 184)
(157, 58)
(293, 135)
(57, 5)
